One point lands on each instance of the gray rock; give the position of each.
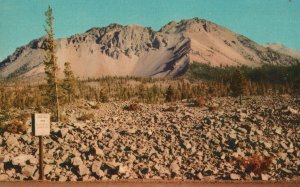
(200, 176)
(112, 165)
(174, 168)
(96, 166)
(284, 145)
(100, 173)
(265, 177)
(64, 132)
(28, 170)
(278, 130)
(268, 145)
(243, 116)
(47, 169)
(286, 170)
(4, 177)
(234, 176)
(131, 131)
(283, 156)
(123, 169)
(187, 145)
(10, 173)
(76, 161)
(22, 159)
(99, 152)
(12, 142)
(83, 170)
(62, 178)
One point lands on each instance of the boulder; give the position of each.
(265, 177)
(28, 170)
(96, 166)
(47, 169)
(234, 176)
(123, 169)
(62, 178)
(22, 159)
(83, 170)
(174, 168)
(4, 177)
(64, 132)
(76, 161)
(12, 142)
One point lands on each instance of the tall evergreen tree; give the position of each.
(69, 82)
(238, 85)
(50, 63)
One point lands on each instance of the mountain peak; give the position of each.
(140, 51)
(189, 25)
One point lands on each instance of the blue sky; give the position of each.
(261, 20)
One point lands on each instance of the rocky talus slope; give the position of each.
(163, 142)
(140, 51)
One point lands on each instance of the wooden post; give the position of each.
(41, 158)
(40, 128)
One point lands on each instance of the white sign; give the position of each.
(41, 124)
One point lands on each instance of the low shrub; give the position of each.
(198, 102)
(103, 97)
(96, 107)
(132, 107)
(16, 126)
(257, 164)
(86, 117)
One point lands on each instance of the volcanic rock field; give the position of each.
(163, 141)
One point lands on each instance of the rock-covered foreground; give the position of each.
(155, 143)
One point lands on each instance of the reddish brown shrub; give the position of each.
(132, 107)
(257, 164)
(200, 102)
(16, 126)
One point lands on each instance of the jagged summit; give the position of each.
(141, 51)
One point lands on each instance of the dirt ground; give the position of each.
(140, 183)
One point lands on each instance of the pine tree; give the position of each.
(170, 94)
(69, 82)
(238, 85)
(296, 87)
(50, 63)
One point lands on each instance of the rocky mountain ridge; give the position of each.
(283, 49)
(140, 51)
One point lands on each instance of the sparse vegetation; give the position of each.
(103, 97)
(85, 117)
(13, 124)
(199, 102)
(132, 107)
